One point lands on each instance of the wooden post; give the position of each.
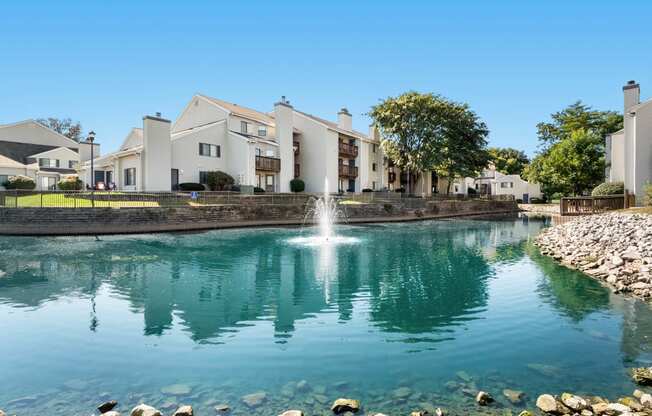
(626, 202)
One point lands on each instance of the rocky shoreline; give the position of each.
(566, 404)
(615, 248)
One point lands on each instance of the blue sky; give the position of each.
(107, 64)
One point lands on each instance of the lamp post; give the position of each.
(91, 139)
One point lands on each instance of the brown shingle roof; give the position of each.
(242, 111)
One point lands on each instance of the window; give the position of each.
(259, 152)
(457, 189)
(373, 185)
(269, 153)
(48, 163)
(373, 167)
(507, 184)
(243, 127)
(3, 179)
(72, 164)
(203, 177)
(373, 147)
(262, 131)
(211, 150)
(130, 176)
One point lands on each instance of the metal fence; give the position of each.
(122, 199)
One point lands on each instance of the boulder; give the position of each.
(548, 404)
(514, 396)
(2, 413)
(439, 412)
(483, 398)
(110, 413)
(345, 405)
(637, 393)
(183, 411)
(107, 406)
(292, 413)
(586, 412)
(525, 413)
(420, 413)
(632, 403)
(600, 408)
(222, 408)
(144, 410)
(573, 402)
(254, 399)
(646, 400)
(619, 408)
(642, 376)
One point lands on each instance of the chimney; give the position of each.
(156, 155)
(344, 119)
(632, 92)
(283, 119)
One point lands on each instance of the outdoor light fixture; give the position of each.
(90, 139)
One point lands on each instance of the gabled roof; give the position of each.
(333, 126)
(21, 151)
(6, 162)
(238, 110)
(133, 139)
(45, 153)
(36, 123)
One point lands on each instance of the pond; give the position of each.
(400, 316)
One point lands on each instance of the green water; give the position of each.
(228, 313)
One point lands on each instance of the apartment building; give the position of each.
(30, 149)
(628, 152)
(492, 182)
(265, 150)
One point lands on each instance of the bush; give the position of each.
(609, 188)
(519, 201)
(218, 180)
(471, 191)
(191, 186)
(367, 190)
(297, 185)
(233, 188)
(258, 190)
(537, 201)
(20, 182)
(70, 183)
(400, 190)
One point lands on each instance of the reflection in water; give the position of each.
(403, 305)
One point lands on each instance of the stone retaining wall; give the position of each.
(70, 221)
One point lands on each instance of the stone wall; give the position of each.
(65, 221)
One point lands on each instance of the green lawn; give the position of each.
(69, 201)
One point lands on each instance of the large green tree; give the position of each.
(423, 132)
(572, 140)
(508, 160)
(65, 126)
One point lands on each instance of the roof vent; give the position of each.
(158, 114)
(631, 82)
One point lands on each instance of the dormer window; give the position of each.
(262, 131)
(243, 127)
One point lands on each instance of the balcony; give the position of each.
(347, 171)
(347, 150)
(268, 164)
(297, 170)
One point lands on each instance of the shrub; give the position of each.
(218, 180)
(70, 183)
(297, 185)
(258, 190)
(519, 201)
(537, 201)
(400, 190)
(191, 186)
(233, 188)
(20, 182)
(471, 191)
(609, 188)
(367, 190)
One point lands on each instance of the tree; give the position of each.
(574, 139)
(70, 129)
(578, 116)
(508, 160)
(571, 166)
(423, 132)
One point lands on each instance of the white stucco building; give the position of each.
(265, 150)
(492, 182)
(629, 151)
(30, 149)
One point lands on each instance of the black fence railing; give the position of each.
(132, 199)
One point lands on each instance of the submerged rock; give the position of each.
(402, 392)
(574, 402)
(110, 413)
(303, 385)
(254, 399)
(642, 376)
(176, 389)
(144, 410)
(514, 396)
(345, 405)
(2, 413)
(222, 408)
(292, 413)
(107, 406)
(525, 413)
(464, 376)
(483, 398)
(183, 411)
(544, 369)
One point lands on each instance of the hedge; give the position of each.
(191, 186)
(70, 183)
(297, 185)
(609, 188)
(20, 182)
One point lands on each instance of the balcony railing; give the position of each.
(348, 171)
(297, 170)
(269, 164)
(348, 150)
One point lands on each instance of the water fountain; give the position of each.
(324, 211)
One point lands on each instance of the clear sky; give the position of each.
(108, 63)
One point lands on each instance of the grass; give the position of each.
(67, 201)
